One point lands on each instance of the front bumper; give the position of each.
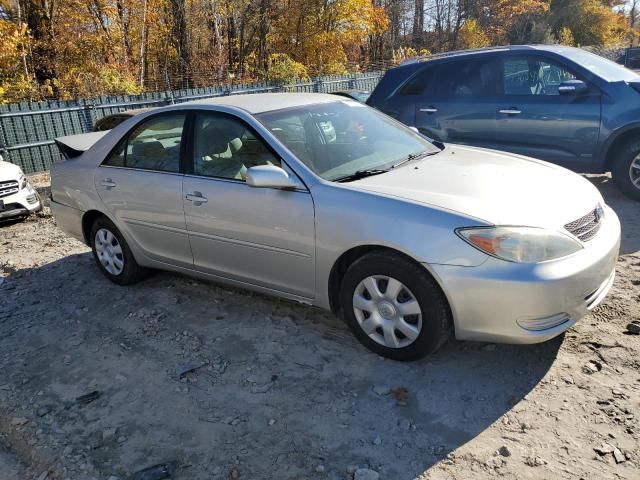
(493, 301)
(21, 203)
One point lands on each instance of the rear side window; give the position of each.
(152, 145)
(417, 84)
(467, 78)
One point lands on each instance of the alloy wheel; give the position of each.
(634, 172)
(109, 251)
(387, 311)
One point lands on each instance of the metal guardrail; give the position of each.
(27, 130)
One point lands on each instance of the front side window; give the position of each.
(533, 76)
(153, 145)
(340, 138)
(225, 147)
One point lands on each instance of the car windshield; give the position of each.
(339, 139)
(604, 68)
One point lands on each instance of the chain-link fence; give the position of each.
(27, 129)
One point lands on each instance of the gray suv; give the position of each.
(559, 104)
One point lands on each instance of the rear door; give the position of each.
(140, 184)
(533, 119)
(260, 236)
(459, 103)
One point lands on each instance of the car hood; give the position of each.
(497, 187)
(9, 171)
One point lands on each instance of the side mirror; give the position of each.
(269, 176)
(572, 87)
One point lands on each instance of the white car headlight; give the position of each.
(520, 244)
(22, 181)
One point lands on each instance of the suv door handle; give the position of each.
(511, 111)
(197, 198)
(108, 183)
(429, 110)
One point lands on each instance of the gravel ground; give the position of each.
(100, 382)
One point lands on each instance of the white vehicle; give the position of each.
(17, 197)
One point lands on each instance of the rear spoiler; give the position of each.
(73, 146)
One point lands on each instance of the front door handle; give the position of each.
(429, 110)
(108, 183)
(511, 111)
(197, 198)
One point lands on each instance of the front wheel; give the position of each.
(394, 307)
(626, 170)
(112, 254)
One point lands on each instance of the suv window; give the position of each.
(152, 145)
(225, 147)
(463, 78)
(533, 76)
(417, 84)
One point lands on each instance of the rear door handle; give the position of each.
(197, 198)
(511, 111)
(108, 183)
(429, 110)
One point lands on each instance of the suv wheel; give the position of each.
(112, 254)
(626, 170)
(394, 307)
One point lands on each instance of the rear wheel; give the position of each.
(112, 254)
(394, 307)
(626, 170)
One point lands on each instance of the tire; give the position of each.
(117, 263)
(432, 326)
(626, 165)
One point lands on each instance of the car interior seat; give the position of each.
(216, 154)
(148, 155)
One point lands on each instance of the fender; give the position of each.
(600, 164)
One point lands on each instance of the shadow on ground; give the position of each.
(272, 389)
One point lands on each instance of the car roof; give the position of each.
(480, 51)
(266, 102)
(134, 112)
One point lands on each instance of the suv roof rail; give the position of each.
(465, 51)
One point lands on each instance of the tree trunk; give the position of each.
(418, 24)
(180, 36)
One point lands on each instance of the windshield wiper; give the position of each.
(358, 174)
(413, 156)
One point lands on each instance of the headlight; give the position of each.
(520, 244)
(23, 182)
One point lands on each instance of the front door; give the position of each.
(535, 120)
(260, 236)
(141, 185)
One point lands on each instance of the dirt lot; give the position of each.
(222, 383)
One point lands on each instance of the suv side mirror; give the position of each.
(572, 87)
(269, 176)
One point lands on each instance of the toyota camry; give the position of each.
(323, 200)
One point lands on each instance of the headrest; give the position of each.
(148, 149)
(235, 144)
(214, 140)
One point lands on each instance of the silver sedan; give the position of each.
(328, 202)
